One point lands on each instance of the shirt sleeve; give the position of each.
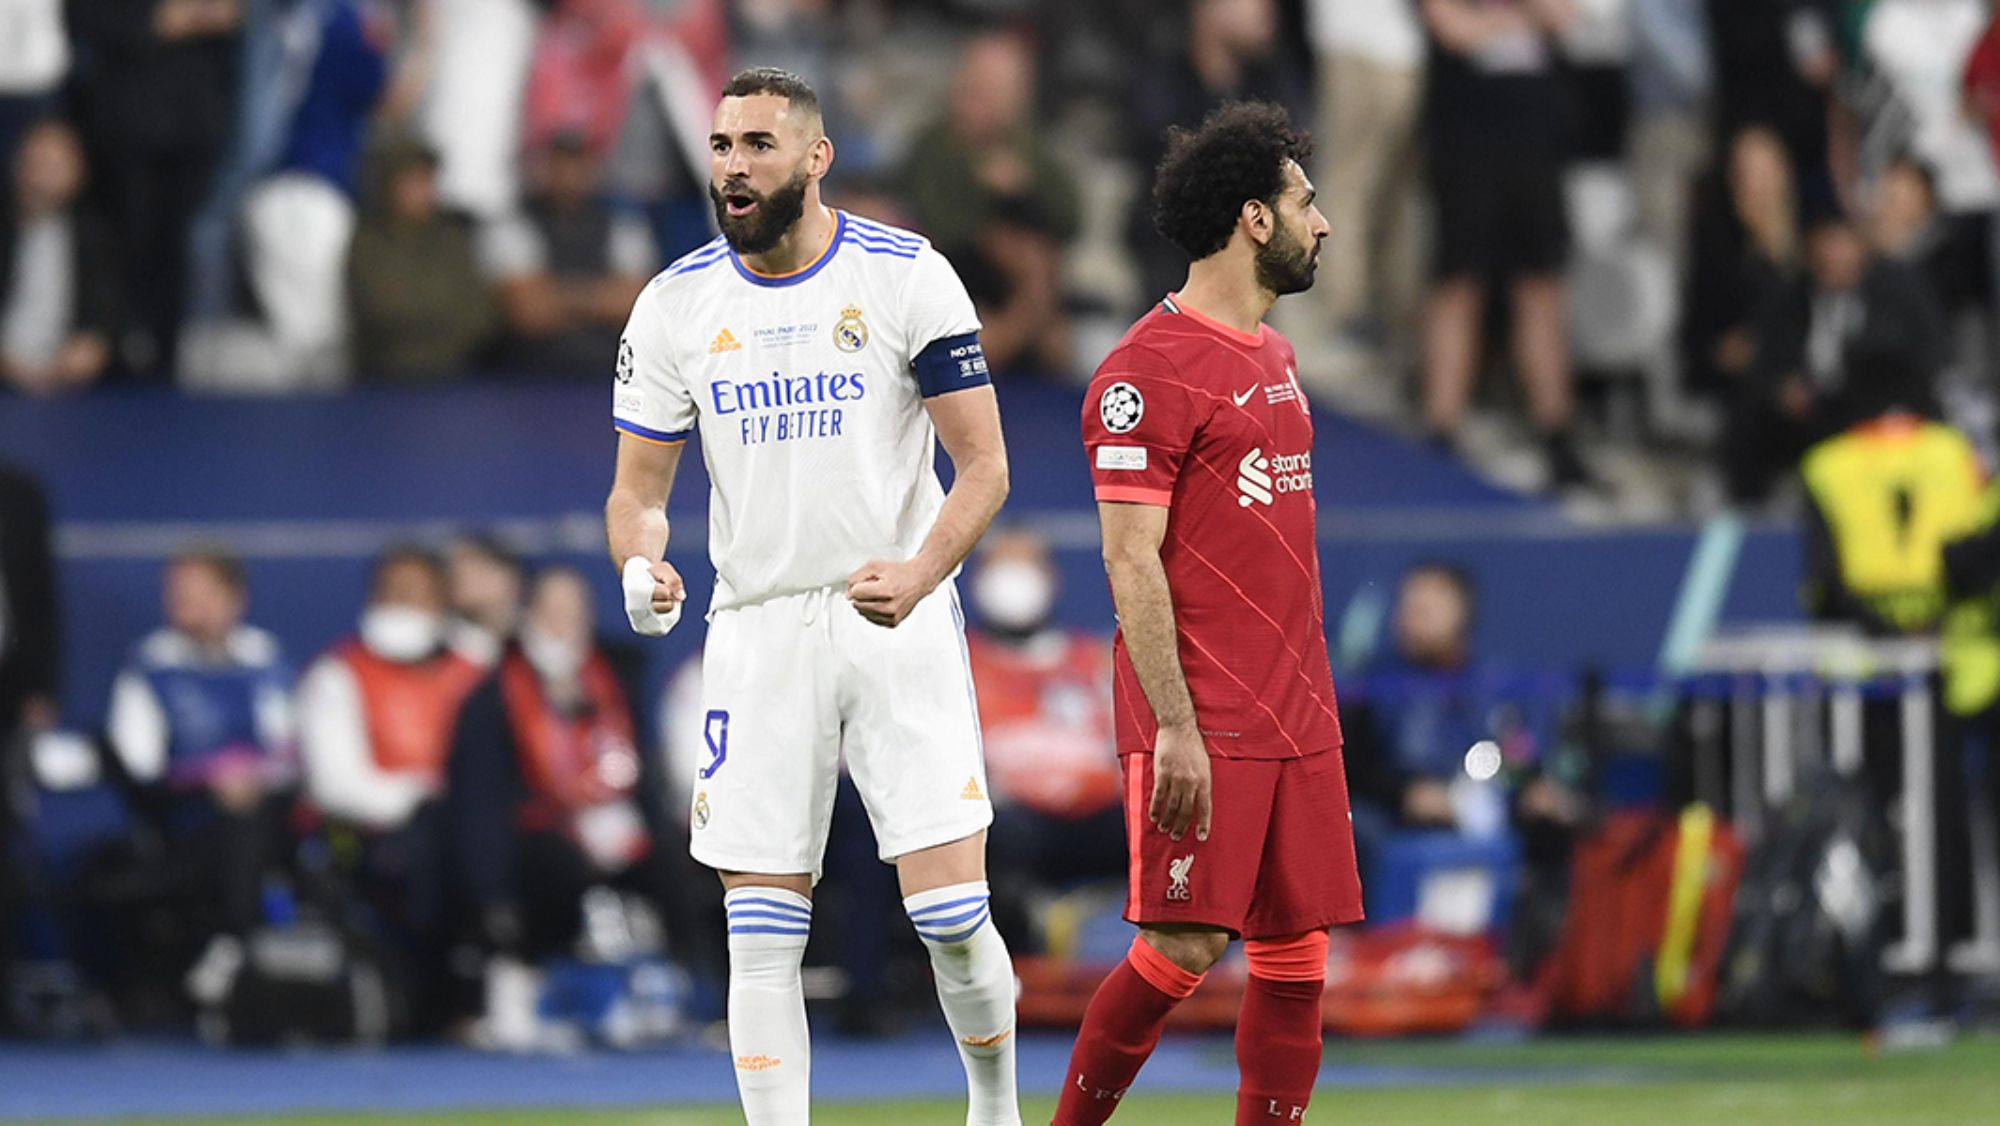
(341, 775)
(649, 398)
(945, 354)
(138, 727)
(1138, 421)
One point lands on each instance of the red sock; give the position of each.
(1120, 1029)
(1277, 1050)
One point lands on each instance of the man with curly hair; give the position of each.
(1235, 795)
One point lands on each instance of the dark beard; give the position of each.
(1285, 264)
(762, 229)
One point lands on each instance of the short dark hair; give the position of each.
(1455, 575)
(1237, 154)
(218, 558)
(396, 555)
(773, 80)
(488, 546)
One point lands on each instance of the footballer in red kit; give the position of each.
(1200, 447)
(1208, 423)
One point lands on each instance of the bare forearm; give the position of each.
(977, 492)
(633, 527)
(1146, 619)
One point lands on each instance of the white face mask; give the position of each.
(401, 633)
(553, 658)
(1014, 597)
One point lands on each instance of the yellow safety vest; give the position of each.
(1969, 646)
(1893, 493)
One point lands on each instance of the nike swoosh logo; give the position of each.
(1244, 397)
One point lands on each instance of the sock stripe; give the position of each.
(958, 936)
(754, 901)
(772, 916)
(935, 908)
(760, 928)
(937, 921)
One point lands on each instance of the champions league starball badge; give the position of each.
(1121, 408)
(624, 360)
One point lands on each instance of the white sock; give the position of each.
(767, 1004)
(975, 984)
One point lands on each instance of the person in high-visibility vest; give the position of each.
(1887, 495)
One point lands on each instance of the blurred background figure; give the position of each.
(376, 713)
(1775, 66)
(568, 266)
(1671, 79)
(34, 59)
(1414, 718)
(1918, 53)
(1499, 122)
(1748, 247)
(547, 799)
(59, 279)
(1856, 328)
(156, 85)
(1371, 94)
(202, 722)
(470, 112)
(423, 311)
(485, 583)
(30, 660)
(317, 77)
(1904, 224)
(1229, 49)
(1045, 715)
(376, 716)
(985, 185)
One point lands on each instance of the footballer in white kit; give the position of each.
(820, 357)
(807, 392)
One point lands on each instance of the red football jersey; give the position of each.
(1209, 422)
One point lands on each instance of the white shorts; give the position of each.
(792, 683)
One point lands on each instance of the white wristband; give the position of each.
(638, 583)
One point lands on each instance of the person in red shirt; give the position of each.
(1200, 445)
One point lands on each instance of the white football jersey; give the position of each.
(808, 391)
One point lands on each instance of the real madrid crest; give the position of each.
(850, 334)
(701, 810)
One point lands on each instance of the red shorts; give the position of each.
(1278, 861)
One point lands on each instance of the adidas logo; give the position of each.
(1253, 479)
(725, 341)
(972, 792)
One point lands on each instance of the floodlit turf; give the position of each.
(1692, 1081)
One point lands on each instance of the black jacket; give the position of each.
(30, 652)
(94, 273)
(1892, 359)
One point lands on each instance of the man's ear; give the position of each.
(821, 159)
(1258, 220)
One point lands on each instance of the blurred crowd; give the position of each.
(474, 810)
(1755, 220)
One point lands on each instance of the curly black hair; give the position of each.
(1237, 154)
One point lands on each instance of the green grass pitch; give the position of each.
(1815, 1080)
